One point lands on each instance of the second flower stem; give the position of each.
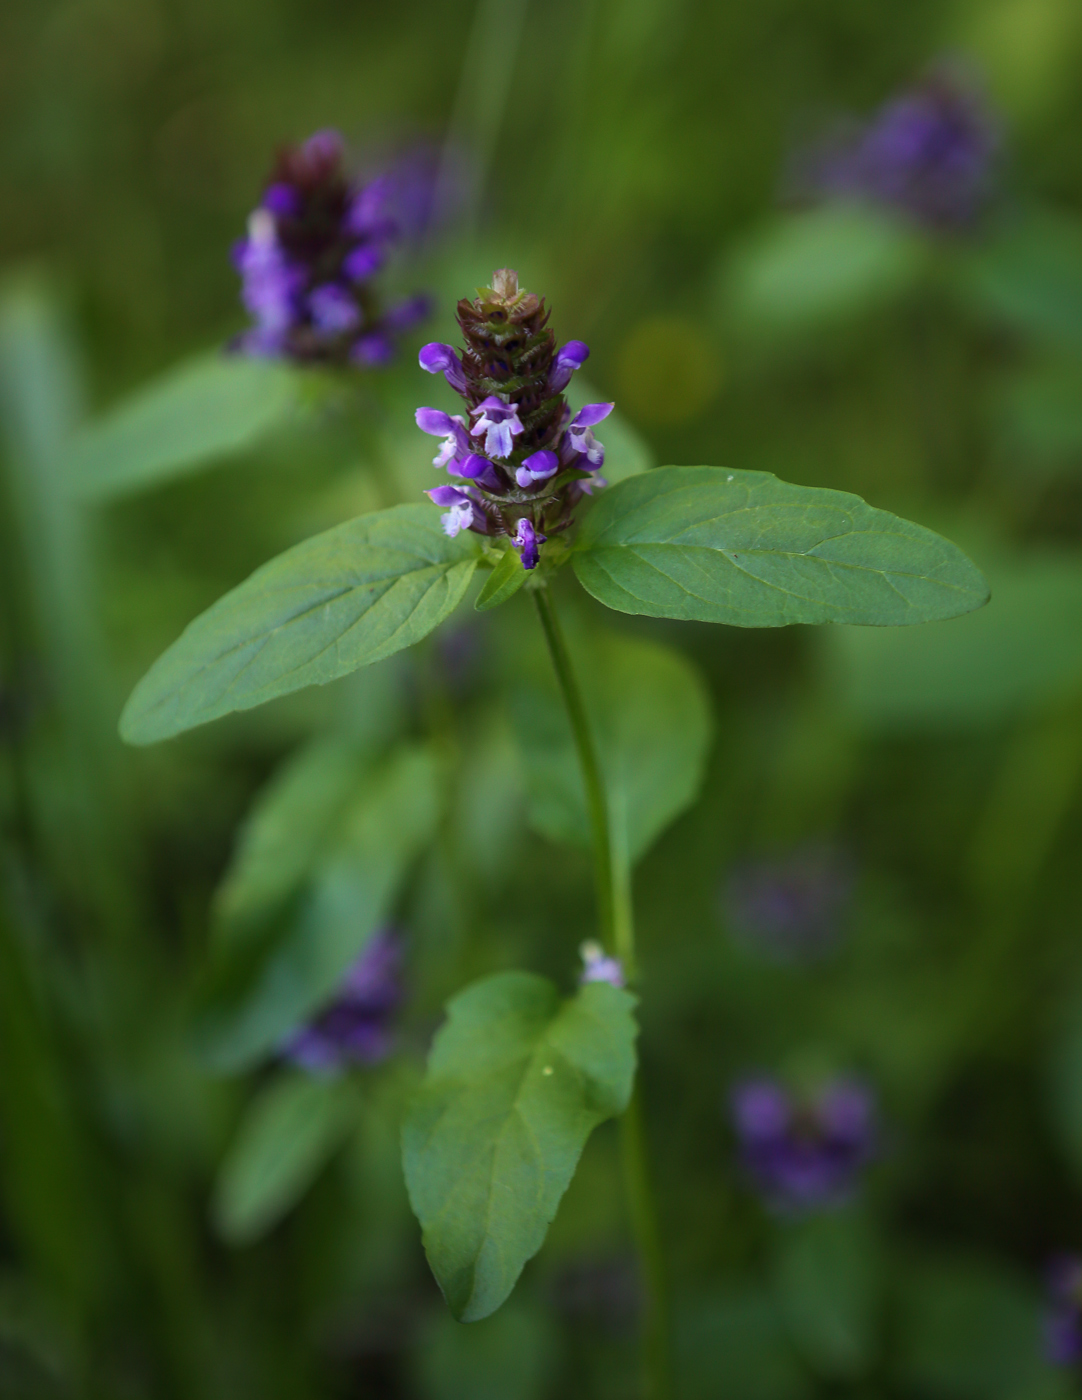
(612, 878)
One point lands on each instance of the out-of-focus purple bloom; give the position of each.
(526, 469)
(528, 543)
(804, 1154)
(1063, 1315)
(500, 424)
(928, 153)
(569, 358)
(356, 1027)
(461, 513)
(312, 247)
(792, 908)
(598, 966)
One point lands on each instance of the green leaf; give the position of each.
(743, 548)
(732, 1343)
(821, 266)
(508, 1357)
(206, 408)
(288, 1133)
(503, 582)
(257, 994)
(1029, 274)
(830, 1291)
(517, 1080)
(1022, 652)
(1038, 412)
(651, 717)
(343, 599)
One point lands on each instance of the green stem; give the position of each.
(612, 875)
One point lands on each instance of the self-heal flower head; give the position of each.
(527, 470)
(356, 1027)
(313, 246)
(500, 424)
(597, 966)
(1063, 1312)
(804, 1153)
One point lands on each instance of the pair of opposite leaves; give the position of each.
(518, 1079)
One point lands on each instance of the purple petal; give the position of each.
(375, 348)
(408, 313)
(527, 541)
(282, 200)
(474, 467)
(447, 496)
(441, 359)
(363, 261)
(569, 358)
(590, 414)
(435, 422)
(332, 309)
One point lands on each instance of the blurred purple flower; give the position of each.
(355, 1028)
(1063, 1315)
(928, 153)
(804, 1153)
(597, 966)
(791, 907)
(306, 265)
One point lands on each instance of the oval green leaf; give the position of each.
(704, 544)
(287, 1134)
(517, 1080)
(204, 409)
(343, 599)
(503, 582)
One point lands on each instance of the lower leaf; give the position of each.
(517, 1080)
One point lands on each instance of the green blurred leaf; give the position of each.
(1039, 415)
(732, 1344)
(256, 995)
(1029, 274)
(1025, 649)
(821, 266)
(651, 717)
(829, 1290)
(517, 1080)
(626, 452)
(343, 599)
(503, 582)
(204, 409)
(286, 1136)
(507, 1357)
(971, 1331)
(1065, 1084)
(743, 548)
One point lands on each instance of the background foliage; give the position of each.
(629, 155)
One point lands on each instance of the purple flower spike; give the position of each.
(500, 424)
(597, 966)
(441, 359)
(355, 1028)
(539, 466)
(452, 429)
(569, 358)
(804, 1154)
(527, 541)
(306, 263)
(462, 512)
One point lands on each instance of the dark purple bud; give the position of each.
(441, 359)
(539, 466)
(281, 200)
(356, 1026)
(804, 1154)
(474, 467)
(597, 966)
(363, 261)
(569, 358)
(527, 541)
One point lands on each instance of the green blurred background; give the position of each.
(628, 157)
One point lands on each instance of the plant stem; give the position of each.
(612, 875)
